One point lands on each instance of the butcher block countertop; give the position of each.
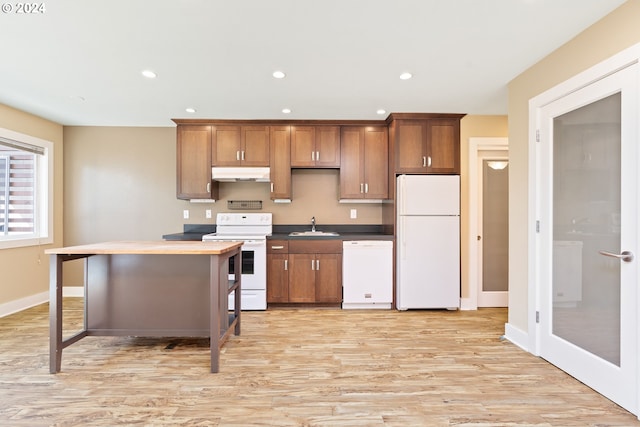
(160, 247)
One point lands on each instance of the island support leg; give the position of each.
(55, 314)
(216, 283)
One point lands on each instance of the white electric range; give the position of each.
(252, 229)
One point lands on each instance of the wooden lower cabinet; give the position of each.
(311, 271)
(328, 284)
(277, 271)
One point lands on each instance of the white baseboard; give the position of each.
(370, 306)
(467, 304)
(37, 299)
(23, 303)
(516, 336)
(73, 291)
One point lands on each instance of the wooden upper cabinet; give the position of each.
(303, 146)
(364, 162)
(255, 146)
(376, 160)
(280, 161)
(194, 163)
(443, 145)
(240, 145)
(315, 146)
(328, 146)
(424, 146)
(226, 145)
(411, 150)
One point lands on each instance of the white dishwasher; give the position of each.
(367, 274)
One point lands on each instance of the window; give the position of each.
(26, 189)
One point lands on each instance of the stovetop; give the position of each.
(241, 226)
(235, 236)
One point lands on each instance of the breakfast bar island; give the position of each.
(150, 289)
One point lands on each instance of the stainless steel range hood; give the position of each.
(232, 174)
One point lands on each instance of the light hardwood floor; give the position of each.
(303, 367)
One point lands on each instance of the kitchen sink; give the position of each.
(313, 233)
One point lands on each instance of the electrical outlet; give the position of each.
(207, 213)
(185, 214)
(354, 213)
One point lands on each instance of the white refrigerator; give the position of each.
(428, 242)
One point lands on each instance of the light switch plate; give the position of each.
(185, 214)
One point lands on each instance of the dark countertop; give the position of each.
(345, 231)
(191, 232)
(195, 232)
(341, 236)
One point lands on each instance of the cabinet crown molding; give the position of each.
(422, 116)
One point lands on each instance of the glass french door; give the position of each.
(589, 235)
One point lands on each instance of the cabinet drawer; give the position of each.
(332, 246)
(277, 246)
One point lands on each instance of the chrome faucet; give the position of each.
(313, 223)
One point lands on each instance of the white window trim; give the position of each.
(44, 202)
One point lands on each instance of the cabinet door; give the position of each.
(351, 153)
(302, 277)
(443, 146)
(327, 146)
(280, 162)
(376, 170)
(329, 278)
(255, 146)
(303, 146)
(410, 146)
(278, 278)
(194, 163)
(226, 145)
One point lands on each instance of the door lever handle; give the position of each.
(625, 256)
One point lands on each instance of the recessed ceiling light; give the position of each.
(405, 76)
(381, 111)
(286, 110)
(279, 74)
(149, 74)
(190, 110)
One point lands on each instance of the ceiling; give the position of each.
(80, 62)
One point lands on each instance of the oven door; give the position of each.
(254, 276)
(254, 264)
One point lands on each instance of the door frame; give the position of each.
(476, 145)
(605, 68)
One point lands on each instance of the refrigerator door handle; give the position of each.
(401, 195)
(403, 243)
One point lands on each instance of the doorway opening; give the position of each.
(488, 223)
